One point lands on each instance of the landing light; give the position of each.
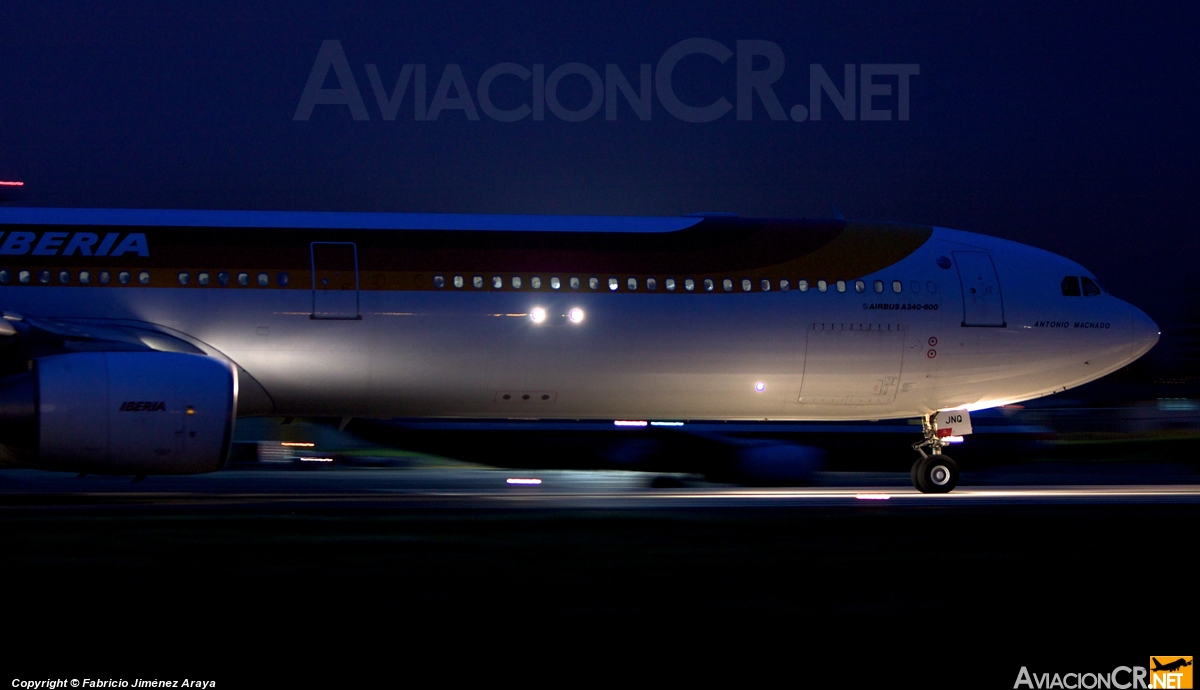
(953, 439)
(575, 315)
(523, 481)
(760, 386)
(537, 314)
(629, 422)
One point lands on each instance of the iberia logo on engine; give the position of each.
(1170, 672)
(143, 406)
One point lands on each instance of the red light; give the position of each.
(11, 184)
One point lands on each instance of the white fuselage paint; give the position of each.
(818, 355)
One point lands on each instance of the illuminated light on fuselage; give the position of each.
(666, 423)
(316, 459)
(537, 314)
(872, 497)
(575, 315)
(5, 183)
(629, 422)
(523, 481)
(297, 444)
(760, 386)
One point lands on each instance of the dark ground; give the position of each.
(258, 592)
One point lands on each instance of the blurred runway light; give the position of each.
(630, 422)
(523, 481)
(872, 497)
(666, 423)
(297, 444)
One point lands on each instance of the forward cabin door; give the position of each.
(983, 305)
(335, 280)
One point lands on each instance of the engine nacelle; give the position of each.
(124, 412)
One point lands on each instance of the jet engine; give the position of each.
(120, 413)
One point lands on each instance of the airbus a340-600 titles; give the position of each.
(132, 339)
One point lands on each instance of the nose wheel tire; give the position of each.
(934, 474)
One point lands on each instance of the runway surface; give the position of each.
(458, 487)
(414, 559)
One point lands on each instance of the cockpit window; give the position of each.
(1090, 288)
(1070, 286)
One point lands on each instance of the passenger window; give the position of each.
(802, 286)
(764, 285)
(1090, 288)
(897, 286)
(85, 277)
(785, 285)
(243, 279)
(841, 286)
(497, 282)
(44, 276)
(1070, 286)
(860, 286)
(4, 275)
(123, 278)
(746, 285)
(64, 277)
(708, 284)
(203, 278)
(23, 276)
(613, 284)
(105, 277)
(439, 282)
(143, 277)
(670, 282)
(727, 284)
(915, 286)
(477, 281)
(516, 282)
(265, 280)
(822, 285)
(555, 283)
(651, 284)
(281, 279)
(689, 284)
(931, 287)
(594, 283)
(458, 282)
(879, 286)
(632, 283)
(535, 282)
(574, 283)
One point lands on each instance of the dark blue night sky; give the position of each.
(1072, 127)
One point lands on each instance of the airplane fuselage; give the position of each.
(387, 315)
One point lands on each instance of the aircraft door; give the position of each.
(335, 280)
(983, 305)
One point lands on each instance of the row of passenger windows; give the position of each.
(1071, 287)
(613, 284)
(45, 276)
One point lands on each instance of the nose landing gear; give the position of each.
(934, 472)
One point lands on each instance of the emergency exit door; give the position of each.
(983, 305)
(335, 280)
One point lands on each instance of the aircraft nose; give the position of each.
(1145, 332)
